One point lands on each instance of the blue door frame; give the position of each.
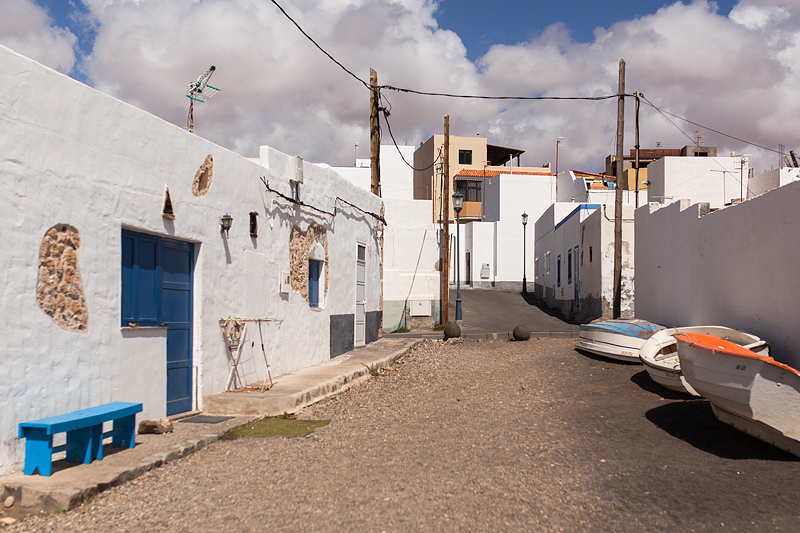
(157, 279)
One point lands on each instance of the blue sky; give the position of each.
(481, 24)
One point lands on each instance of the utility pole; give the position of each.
(445, 218)
(374, 137)
(617, 306)
(637, 94)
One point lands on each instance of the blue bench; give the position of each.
(85, 435)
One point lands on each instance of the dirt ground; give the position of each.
(474, 436)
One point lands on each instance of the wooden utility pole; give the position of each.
(637, 94)
(618, 196)
(445, 218)
(374, 136)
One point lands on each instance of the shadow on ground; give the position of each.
(530, 299)
(644, 381)
(694, 423)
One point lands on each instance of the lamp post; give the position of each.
(458, 202)
(524, 252)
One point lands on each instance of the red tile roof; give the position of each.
(480, 173)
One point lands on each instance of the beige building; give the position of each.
(472, 160)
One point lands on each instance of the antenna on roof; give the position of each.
(200, 91)
(698, 137)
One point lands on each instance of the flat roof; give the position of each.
(500, 155)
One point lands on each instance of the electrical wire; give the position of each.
(338, 199)
(426, 93)
(486, 97)
(386, 113)
(307, 36)
(662, 111)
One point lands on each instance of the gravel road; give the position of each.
(474, 436)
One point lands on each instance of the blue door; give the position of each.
(157, 292)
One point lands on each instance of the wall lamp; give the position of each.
(225, 223)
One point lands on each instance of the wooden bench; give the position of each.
(85, 434)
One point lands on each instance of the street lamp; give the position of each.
(524, 253)
(458, 202)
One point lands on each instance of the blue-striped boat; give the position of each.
(617, 339)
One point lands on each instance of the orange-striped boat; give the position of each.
(752, 392)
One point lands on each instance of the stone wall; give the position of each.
(59, 290)
(300, 242)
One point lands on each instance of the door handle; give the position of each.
(163, 324)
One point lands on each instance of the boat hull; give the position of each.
(616, 339)
(659, 354)
(753, 393)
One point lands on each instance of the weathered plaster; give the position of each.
(204, 177)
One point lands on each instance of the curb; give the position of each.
(65, 499)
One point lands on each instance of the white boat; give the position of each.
(660, 353)
(618, 339)
(752, 392)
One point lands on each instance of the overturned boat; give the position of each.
(617, 339)
(752, 392)
(659, 354)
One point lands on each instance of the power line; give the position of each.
(386, 113)
(307, 36)
(705, 127)
(485, 97)
(425, 93)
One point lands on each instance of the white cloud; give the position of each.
(27, 29)
(734, 73)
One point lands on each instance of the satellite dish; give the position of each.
(200, 91)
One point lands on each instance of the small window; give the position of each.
(590, 254)
(558, 269)
(547, 262)
(362, 252)
(253, 224)
(536, 268)
(471, 189)
(465, 157)
(569, 267)
(313, 282)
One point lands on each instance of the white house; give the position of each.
(573, 269)
(717, 181)
(412, 249)
(771, 180)
(116, 273)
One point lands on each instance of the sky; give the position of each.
(729, 66)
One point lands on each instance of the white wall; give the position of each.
(716, 180)
(735, 267)
(72, 155)
(597, 263)
(771, 180)
(411, 243)
(557, 232)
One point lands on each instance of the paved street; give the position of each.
(474, 436)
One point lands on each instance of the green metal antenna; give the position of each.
(200, 91)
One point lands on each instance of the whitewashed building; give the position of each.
(773, 179)
(717, 181)
(115, 272)
(412, 242)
